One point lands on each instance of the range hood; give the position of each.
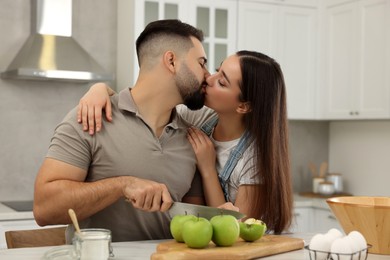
(50, 52)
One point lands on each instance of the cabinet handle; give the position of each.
(332, 217)
(296, 214)
(351, 113)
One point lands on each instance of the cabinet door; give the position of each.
(287, 34)
(373, 89)
(357, 81)
(307, 3)
(302, 220)
(217, 19)
(297, 52)
(257, 27)
(323, 220)
(341, 59)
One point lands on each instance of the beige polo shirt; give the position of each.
(127, 146)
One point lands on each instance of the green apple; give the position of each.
(176, 226)
(252, 229)
(225, 230)
(197, 232)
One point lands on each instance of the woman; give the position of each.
(246, 121)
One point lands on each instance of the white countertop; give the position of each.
(141, 250)
(301, 201)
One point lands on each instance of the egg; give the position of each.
(354, 247)
(358, 240)
(335, 233)
(319, 242)
(340, 248)
(332, 235)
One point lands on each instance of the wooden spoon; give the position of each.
(313, 170)
(323, 168)
(73, 217)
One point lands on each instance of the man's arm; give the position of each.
(60, 186)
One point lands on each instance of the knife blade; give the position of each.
(180, 208)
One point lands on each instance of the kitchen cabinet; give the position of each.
(313, 220)
(286, 31)
(357, 60)
(323, 220)
(312, 215)
(216, 18)
(302, 220)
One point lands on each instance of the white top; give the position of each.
(244, 172)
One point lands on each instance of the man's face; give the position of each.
(191, 77)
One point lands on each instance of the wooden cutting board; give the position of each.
(267, 245)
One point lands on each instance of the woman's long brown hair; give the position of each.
(264, 88)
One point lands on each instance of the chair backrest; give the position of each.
(36, 237)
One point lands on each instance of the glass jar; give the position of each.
(93, 244)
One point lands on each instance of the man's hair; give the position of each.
(162, 35)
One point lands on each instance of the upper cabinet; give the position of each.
(287, 32)
(217, 19)
(335, 54)
(356, 60)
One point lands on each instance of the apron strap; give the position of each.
(234, 156)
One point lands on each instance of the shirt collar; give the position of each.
(127, 103)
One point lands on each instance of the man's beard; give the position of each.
(191, 90)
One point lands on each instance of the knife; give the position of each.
(180, 208)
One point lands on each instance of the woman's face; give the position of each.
(222, 92)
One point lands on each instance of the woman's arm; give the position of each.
(206, 157)
(90, 108)
(244, 200)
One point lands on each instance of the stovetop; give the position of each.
(22, 205)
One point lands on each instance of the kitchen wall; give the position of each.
(360, 150)
(309, 143)
(29, 110)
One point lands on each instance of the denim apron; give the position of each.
(234, 156)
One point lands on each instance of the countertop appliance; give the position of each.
(22, 205)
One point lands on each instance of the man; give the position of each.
(125, 178)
